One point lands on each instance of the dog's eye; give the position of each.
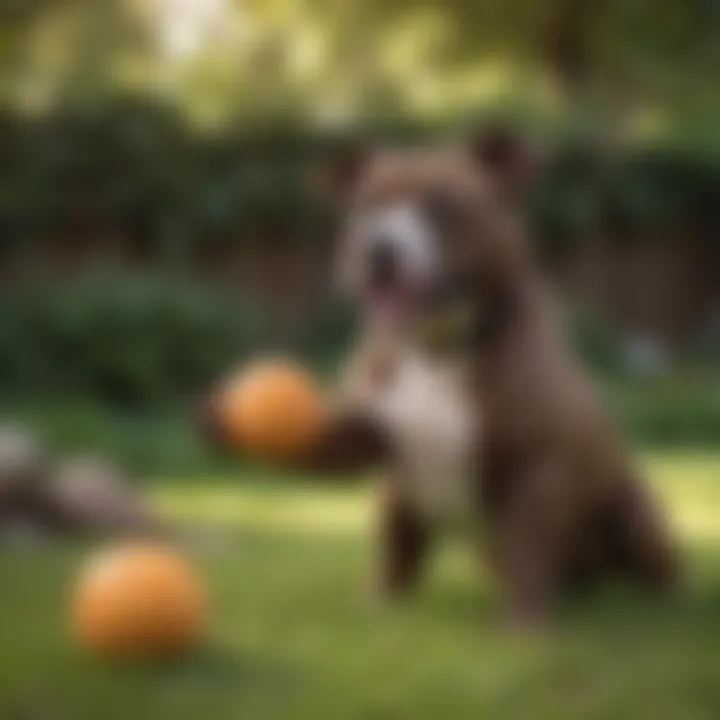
(445, 210)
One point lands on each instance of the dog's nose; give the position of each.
(383, 263)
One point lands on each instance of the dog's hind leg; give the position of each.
(533, 540)
(639, 538)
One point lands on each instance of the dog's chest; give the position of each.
(434, 428)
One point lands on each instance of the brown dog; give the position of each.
(463, 387)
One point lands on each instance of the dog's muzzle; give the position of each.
(383, 265)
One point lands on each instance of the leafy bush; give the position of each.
(705, 351)
(130, 339)
(677, 410)
(141, 339)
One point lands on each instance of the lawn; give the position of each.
(294, 635)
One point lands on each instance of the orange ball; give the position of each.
(273, 410)
(138, 601)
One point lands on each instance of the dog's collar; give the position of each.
(466, 324)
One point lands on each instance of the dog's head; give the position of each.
(433, 233)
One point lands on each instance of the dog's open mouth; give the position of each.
(393, 303)
(439, 314)
(389, 293)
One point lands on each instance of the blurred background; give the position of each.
(158, 227)
(157, 224)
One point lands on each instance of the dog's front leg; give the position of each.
(531, 541)
(403, 540)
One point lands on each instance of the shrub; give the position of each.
(141, 339)
(125, 339)
(705, 352)
(677, 410)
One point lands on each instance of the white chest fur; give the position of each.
(434, 428)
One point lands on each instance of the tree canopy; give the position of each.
(336, 58)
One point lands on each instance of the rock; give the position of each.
(22, 461)
(90, 494)
(23, 470)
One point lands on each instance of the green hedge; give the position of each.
(129, 339)
(139, 340)
(680, 410)
(134, 168)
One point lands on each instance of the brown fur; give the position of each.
(405, 541)
(563, 503)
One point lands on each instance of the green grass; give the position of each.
(293, 634)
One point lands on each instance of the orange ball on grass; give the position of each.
(140, 601)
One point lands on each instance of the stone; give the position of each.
(22, 461)
(90, 494)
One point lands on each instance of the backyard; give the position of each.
(294, 632)
(176, 181)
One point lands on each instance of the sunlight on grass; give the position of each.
(689, 484)
(319, 510)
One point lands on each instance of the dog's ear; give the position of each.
(340, 171)
(507, 157)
